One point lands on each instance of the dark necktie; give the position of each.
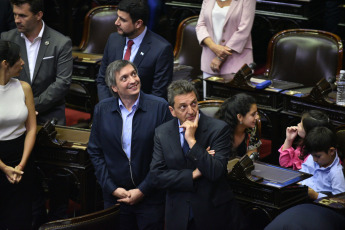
(185, 146)
(129, 49)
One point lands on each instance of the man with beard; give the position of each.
(133, 41)
(121, 146)
(47, 55)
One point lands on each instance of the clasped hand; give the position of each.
(14, 175)
(130, 197)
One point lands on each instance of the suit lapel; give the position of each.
(144, 48)
(42, 50)
(231, 9)
(24, 56)
(202, 128)
(119, 48)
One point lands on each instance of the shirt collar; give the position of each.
(137, 41)
(40, 34)
(134, 107)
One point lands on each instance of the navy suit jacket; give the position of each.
(210, 195)
(113, 169)
(154, 60)
(52, 75)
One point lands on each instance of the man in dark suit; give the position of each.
(48, 59)
(198, 195)
(151, 53)
(6, 16)
(121, 146)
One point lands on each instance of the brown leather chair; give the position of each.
(106, 219)
(340, 132)
(210, 107)
(187, 50)
(98, 25)
(304, 56)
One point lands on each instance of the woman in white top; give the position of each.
(224, 32)
(17, 138)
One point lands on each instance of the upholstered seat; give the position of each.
(304, 56)
(187, 50)
(106, 219)
(98, 25)
(210, 107)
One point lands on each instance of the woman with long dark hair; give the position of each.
(241, 113)
(17, 138)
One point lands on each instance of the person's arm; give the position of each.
(30, 125)
(58, 89)
(163, 72)
(96, 154)
(11, 173)
(102, 88)
(239, 39)
(164, 177)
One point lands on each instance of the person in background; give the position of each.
(323, 163)
(6, 16)
(17, 138)
(121, 146)
(133, 41)
(48, 58)
(198, 194)
(241, 113)
(224, 32)
(290, 151)
(308, 217)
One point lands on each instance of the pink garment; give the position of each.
(236, 34)
(289, 158)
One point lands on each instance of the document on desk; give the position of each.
(277, 85)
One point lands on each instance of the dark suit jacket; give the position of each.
(210, 196)
(154, 61)
(113, 169)
(52, 74)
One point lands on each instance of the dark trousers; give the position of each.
(15, 199)
(141, 216)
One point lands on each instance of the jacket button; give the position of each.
(223, 40)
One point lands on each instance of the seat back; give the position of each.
(98, 25)
(304, 56)
(187, 50)
(104, 219)
(210, 107)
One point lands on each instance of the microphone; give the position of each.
(252, 65)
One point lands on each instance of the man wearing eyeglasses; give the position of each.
(198, 195)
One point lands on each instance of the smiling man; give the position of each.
(198, 195)
(151, 53)
(121, 146)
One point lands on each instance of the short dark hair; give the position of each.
(9, 51)
(137, 9)
(319, 139)
(35, 5)
(178, 88)
(111, 71)
(315, 118)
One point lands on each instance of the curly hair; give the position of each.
(237, 104)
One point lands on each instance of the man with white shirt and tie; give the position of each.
(47, 55)
(133, 41)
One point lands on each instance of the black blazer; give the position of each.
(210, 196)
(154, 60)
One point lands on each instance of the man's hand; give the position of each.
(190, 129)
(121, 193)
(196, 173)
(135, 197)
(211, 152)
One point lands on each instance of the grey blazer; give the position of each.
(52, 75)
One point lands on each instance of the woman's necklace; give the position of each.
(223, 0)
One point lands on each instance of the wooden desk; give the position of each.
(64, 158)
